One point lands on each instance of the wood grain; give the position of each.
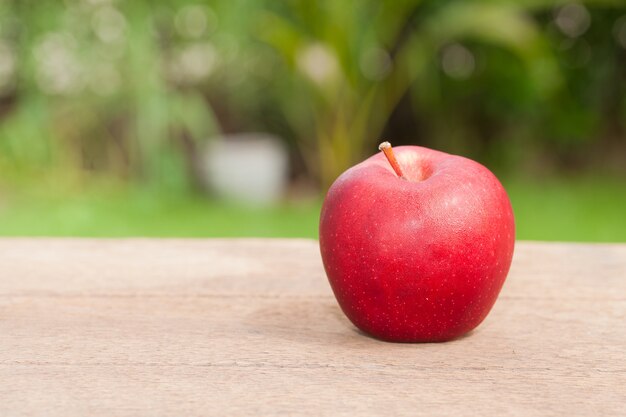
(250, 327)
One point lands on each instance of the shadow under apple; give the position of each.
(313, 320)
(306, 320)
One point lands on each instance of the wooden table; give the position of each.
(250, 327)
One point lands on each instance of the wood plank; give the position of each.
(250, 327)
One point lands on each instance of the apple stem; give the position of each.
(388, 151)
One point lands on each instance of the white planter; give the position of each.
(249, 168)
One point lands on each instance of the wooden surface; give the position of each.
(250, 327)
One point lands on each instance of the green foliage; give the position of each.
(489, 79)
(130, 89)
(97, 88)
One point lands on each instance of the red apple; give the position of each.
(416, 249)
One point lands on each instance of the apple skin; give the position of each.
(420, 259)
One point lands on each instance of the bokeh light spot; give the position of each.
(457, 61)
(573, 19)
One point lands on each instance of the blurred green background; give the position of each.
(231, 118)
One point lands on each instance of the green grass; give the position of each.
(563, 210)
(587, 209)
(154, 215)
